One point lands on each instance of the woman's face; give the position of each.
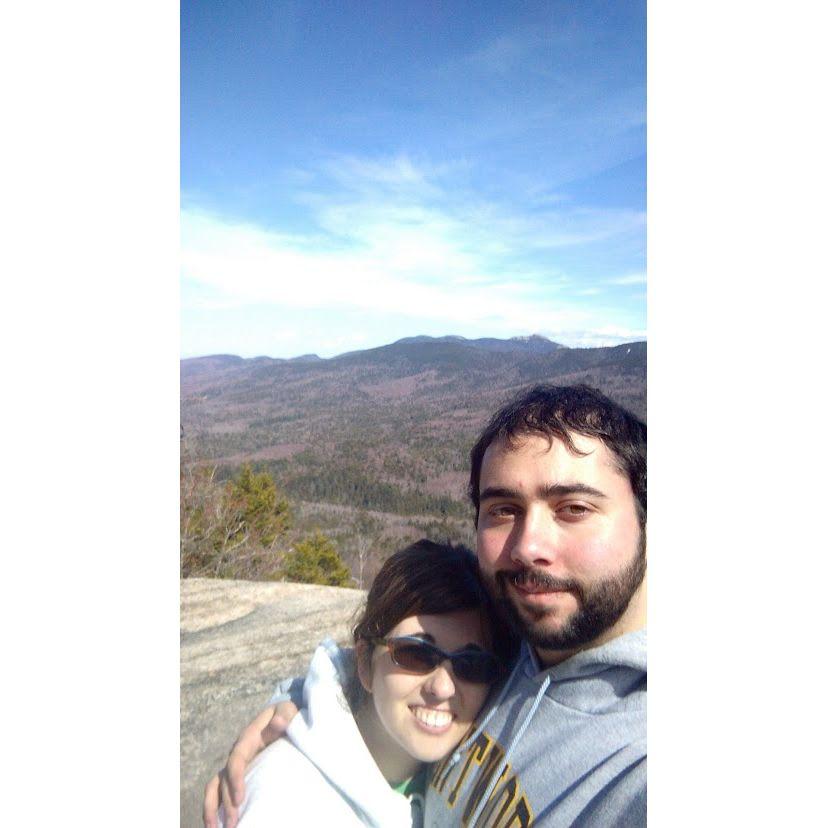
(428, 715)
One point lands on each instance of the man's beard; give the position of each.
(599, 605)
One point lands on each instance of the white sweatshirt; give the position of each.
(322, 774)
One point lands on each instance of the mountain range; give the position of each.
(383, 432)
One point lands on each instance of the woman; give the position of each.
(357, 751)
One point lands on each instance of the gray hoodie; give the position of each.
(557, 747)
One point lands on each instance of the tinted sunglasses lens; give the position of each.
(419, 658)
(478, 668)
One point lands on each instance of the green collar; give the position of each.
(414, 785)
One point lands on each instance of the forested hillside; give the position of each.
(371, 447)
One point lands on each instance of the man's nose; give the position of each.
(535, 539)
(440, 683)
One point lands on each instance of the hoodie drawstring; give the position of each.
(455, 757)
(503, 762)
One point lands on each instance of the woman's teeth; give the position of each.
(432, 718)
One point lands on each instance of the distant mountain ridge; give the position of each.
(532, 344)
(527, 344)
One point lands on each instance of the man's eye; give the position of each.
(503, 510)
(574, 510)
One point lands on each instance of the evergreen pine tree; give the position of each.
(316, 561)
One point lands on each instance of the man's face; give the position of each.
(558, 539)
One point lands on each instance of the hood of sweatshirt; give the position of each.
(325, 731)
(609, 677)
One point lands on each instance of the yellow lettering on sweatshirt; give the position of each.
(507, 805)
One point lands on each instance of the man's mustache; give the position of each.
(532, 576)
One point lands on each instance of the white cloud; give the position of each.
(397, 236)
(418, 272)
(599, 338)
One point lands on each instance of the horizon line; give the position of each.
(314, 356)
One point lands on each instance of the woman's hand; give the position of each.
(227, 786)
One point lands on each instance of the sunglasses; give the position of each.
(420, 657)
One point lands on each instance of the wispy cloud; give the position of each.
(419, 271)
(397, 235)
(602, 337)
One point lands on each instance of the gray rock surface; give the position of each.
(238, 638)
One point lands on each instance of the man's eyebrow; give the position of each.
(500, 491)
(552, 490)
(565, 489)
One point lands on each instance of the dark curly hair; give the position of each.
(558, 411)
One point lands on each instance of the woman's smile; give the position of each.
(433, 721)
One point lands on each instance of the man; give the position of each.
(559, 484)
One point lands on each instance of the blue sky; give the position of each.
(352, 173)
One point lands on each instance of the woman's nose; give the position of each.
(440, 683)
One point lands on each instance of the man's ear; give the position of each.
(363, 660)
